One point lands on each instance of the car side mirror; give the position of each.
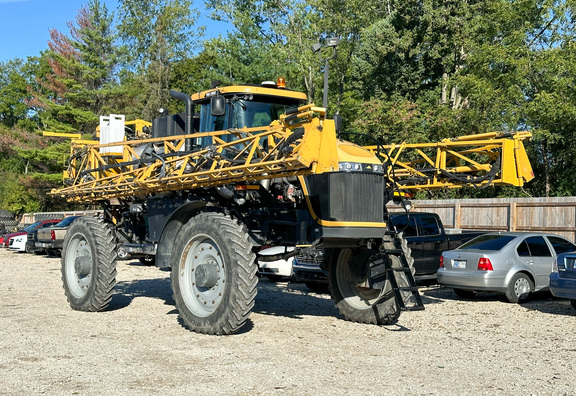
(217, 105)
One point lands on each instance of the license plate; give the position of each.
(459, 264)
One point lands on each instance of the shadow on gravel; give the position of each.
(550, 305)
(125, 292)
(289, 300)
(542, 301)
(292, 300)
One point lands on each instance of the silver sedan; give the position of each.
(515, 263)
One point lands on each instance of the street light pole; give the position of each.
(333, 43)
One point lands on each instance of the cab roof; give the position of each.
(251, 89)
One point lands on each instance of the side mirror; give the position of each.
(217, 105)
(338, 124)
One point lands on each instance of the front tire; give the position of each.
(354, 300)
(89, 264)
(573, 303)
(519, 288)
(214, 274)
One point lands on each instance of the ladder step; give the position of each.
(402, 294)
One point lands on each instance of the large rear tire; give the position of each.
(89, 264)
(214, 274)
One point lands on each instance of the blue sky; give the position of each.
(25, 26)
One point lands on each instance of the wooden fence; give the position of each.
(554, 215)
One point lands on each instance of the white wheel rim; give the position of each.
(522, 287)
(200, 253)
(78, 266)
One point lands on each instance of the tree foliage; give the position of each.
(408, 70)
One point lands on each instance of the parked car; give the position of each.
(427, 238)
(33, 236)
(515, 263)
(17, 243)
(563, 277)
(51, 239)
(278, 268)
(25, 230)
(424, 233)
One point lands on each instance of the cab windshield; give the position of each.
(244, 113)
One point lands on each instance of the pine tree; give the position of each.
(76, 90)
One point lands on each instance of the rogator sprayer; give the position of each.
(250, 166)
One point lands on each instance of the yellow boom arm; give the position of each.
(473, 160)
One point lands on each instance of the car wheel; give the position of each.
(573, 303)
(465, 293)
(519, 288)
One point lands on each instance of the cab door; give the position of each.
(433, 242)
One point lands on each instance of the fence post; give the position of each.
(457, 216)
(512, 217)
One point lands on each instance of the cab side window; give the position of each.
(429, 225)
(405, 224)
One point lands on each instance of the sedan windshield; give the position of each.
(488, 242)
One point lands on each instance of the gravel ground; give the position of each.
(294, 343)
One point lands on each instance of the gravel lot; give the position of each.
(294, 343)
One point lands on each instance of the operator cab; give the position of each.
(232, 107)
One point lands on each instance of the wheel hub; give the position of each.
(82, 265)
(207, 274)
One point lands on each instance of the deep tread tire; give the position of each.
(519, 288)
(214, 242)
(347, 269)
(467, 294)
(89, 264)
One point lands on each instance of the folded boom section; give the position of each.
(473, 160)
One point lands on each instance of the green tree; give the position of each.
(156, 34)
(81, 79)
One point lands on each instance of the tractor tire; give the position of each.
(89, 264)
(214, 274)
(357, 302)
